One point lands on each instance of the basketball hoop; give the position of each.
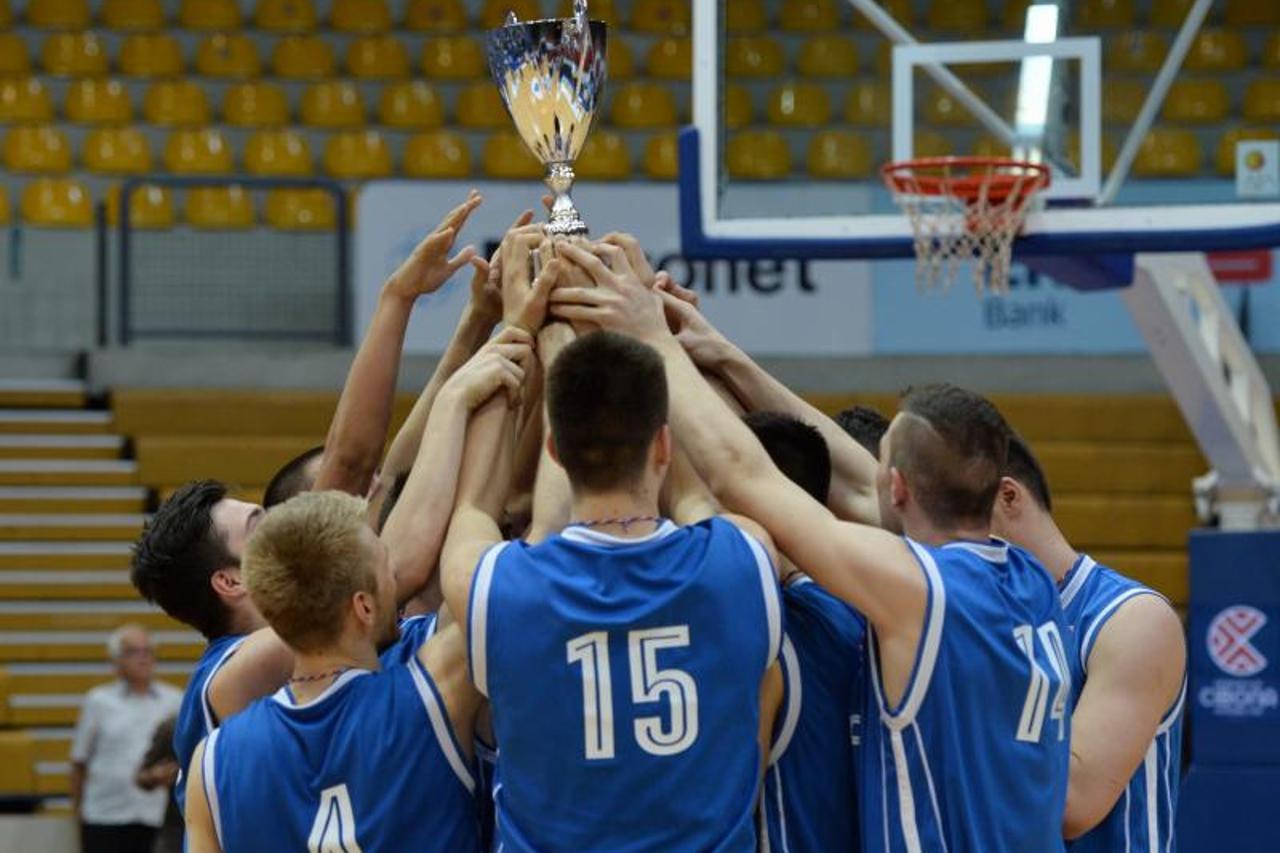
(965, 209)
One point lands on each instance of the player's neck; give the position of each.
(1052, 549)
(924, 531)
(626, 514)
(315, 673)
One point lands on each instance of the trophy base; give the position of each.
(569, 226)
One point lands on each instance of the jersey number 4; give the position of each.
(649, 683)
(1033, 709)
(334, 829)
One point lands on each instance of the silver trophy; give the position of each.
(551, 74)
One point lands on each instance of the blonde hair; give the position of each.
(304, 561)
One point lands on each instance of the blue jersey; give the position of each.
(195, 718)
(414, 633)
(1143, 817)
(810, 801)
(974, 757)
(371, 764)
(624, 681)
(486, 782)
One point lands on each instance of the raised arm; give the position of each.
(1136, 670)
(358, 431)
(415, 530)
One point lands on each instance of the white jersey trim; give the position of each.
(1083, 569)
(441, 727)
(285, 698)
(1174, 712)
(478, 617)
(205, 707)
(906, 799)
(769, 589)
(928, 777)
(1088, 637)
(996, 551)
(590, 536)
(1151, 783)
(208, 766)
(791, 718)
(782, 813)
(926, 657)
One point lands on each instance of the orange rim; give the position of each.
(966, 178)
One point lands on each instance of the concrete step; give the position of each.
(110, 584)
(67, 472)
(54, 699)
(1095, 522)
(43, 394)
(58, 527)
(90, 646)
(55, 421)
(53, 446)
(81, 615)
(73, 556)
(72, 499)
(53, 778)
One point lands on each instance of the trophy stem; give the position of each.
(565, 220)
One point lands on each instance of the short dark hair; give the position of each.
(865, 425)
(1023, 466)
(177, 554)
(392, 498)
(291, 479)
(951, 446)
(797, 448)
(606, 400)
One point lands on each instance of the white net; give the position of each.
(965, 212)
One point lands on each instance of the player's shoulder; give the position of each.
(806, 601)
(1091, 586)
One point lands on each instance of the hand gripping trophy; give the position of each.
(551, 74)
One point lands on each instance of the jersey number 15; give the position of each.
(649, 683)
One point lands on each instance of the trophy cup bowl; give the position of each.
(550, 74)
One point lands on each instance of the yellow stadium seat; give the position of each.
(1196, 101)
(219, 208)
(78, 54)
(739, 107)
(302, 57)
(301, 210)
(332, 104)
(277, 153)
(224, 55)
(799, 105)
(662, 157)
(198, 152)
(357, 155)
(5, 215)
(754, 56)
(868, 103)
(14, 58)
(255, 105)
(1168, 153)
(24, 99)
(410, 105)
(621, 59)
(1262, 100)
(929, 143)
(671, 58)
(361, 16)
(605, 10)
(480, 105)
(1110, 149)
(175, 103)
(1225, 159)
(828, 56)
(56, 203)
(605, 157)
(810, 16)
(132, 14)
(1169, 14)
(660, 16)
(285, 15)
(506, 156)
(1136, 50)
(1014, 15)
(454, 58)
(37, 149)
(91, 100)
(1250, 13)
(209, 15)
(643, 105)
(377, 58)
(494, 12)
(1121, 100)
(1106, 14)
(1271, 52)
(758, 155)
(59, 14)
(746, 16)
(943, 109)
(151, 55)
(1217, 50)
(150, 207)
(438, 154)
(435, 16)
(958, 16)
(6, 20)
(900, 10)
(116, 151)
(839, 154)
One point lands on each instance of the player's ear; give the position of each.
(365, 608)
(1008, 499)
(898, 490)
(228, 583)
(663, 447)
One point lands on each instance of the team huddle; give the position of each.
(613, 587)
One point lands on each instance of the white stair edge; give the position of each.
(46, 700)
(69, 466)
(42, 440)
(53, 638)
(31, 549)
(43, 385)
(83, 493)
(52, 768)
(61, 577)
(52, 732)
(87, 519)
(103, 668)
(55, 416)
(110, 608)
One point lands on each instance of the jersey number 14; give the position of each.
(1031, 722)
(649, 683)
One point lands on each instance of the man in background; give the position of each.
(112, 736)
